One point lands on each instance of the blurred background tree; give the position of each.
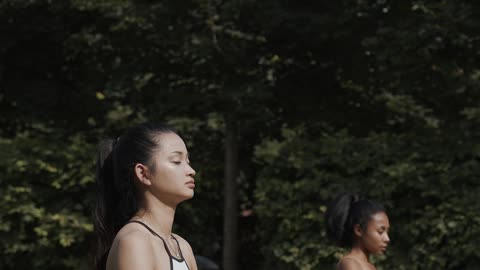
(283, 105)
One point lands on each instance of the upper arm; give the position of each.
(132, 251)
(348, 264)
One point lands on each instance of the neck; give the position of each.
(360, 253)
(157, 214)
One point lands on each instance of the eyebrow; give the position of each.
(178, 153)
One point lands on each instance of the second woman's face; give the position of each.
(172, 177)
(375, 238)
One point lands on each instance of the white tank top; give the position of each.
(178, 265)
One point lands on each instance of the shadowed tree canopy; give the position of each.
(325, 96)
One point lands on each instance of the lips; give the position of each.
(190, 184)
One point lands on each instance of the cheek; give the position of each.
(164, 171)
(373, 239)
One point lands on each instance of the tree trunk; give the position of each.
(230, 215)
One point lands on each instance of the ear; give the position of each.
(357, 230)
(142, 174)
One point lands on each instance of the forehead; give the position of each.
(379, 219)
(171, 142)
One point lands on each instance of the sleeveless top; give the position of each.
(175, 263)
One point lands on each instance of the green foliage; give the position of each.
(430, 196)
(332, 96)
(414, 147)
(46, 201)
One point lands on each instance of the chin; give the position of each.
(189, 195)
(381, 252)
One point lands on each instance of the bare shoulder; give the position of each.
(131, 249)
(347, 263)
(184, 245)
(181, 240)
(186, 251)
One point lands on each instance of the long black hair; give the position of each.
(345, 212)
(116, 200)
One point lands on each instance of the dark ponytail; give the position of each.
(116, 200)
(346, 211)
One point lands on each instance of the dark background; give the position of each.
(306, 98)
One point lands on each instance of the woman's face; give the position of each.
(172, 176)
(374, 239)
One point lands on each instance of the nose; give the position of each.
(387, 238)
(190, 172)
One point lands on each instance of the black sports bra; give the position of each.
(175, 263)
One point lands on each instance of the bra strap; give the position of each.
(179, 249)
(157, 235)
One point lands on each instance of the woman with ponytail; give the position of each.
(359, 224)
(141, 178)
